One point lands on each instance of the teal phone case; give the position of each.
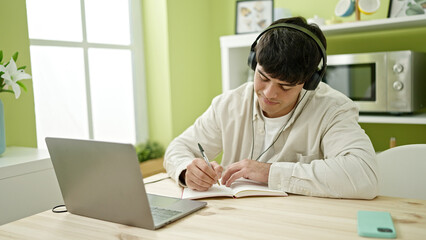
(375, 224)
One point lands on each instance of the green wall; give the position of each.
(182, 54)
(19, 113)
(157, 69)
(182, 57)
(190, 48)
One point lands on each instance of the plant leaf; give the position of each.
(22, 85)
(149, 150)
(1, 55)
(6, 90)
(15, 56)
(22, 68)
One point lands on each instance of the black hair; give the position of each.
(288, 54)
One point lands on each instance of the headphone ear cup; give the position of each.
(313, 82)
(252, 62)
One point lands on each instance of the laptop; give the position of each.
(102, 180)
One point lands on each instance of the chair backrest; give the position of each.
(402, 171)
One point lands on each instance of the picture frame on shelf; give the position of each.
(253, 15)
(404, 8)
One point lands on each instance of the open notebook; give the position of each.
(239, 188)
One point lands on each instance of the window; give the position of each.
(87, 68)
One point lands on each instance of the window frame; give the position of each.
(138, 66)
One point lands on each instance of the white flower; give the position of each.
(12, 75)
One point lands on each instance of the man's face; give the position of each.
(275, 97)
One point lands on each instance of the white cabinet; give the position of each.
(28, 183)
(235, 50)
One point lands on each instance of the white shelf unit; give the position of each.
(408, 119)
(375, 25)
(28, 183)
(235, 50)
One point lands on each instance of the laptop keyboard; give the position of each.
(162, 214)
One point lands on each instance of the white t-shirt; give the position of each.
(272, 126)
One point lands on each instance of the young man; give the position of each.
(286, 129)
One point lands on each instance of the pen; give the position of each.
(206, 159)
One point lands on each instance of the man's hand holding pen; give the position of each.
(200, 176)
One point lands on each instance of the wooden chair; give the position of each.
(402, 171)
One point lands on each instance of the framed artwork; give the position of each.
(402, 8)
(253, 16)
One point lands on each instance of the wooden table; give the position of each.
(292, 217)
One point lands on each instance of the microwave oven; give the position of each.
(380, 82)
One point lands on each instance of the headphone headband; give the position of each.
(311, 83)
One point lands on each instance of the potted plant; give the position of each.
(10, 82)
(150, 155)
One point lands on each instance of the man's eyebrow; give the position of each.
(263, 74)
(282, 84)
